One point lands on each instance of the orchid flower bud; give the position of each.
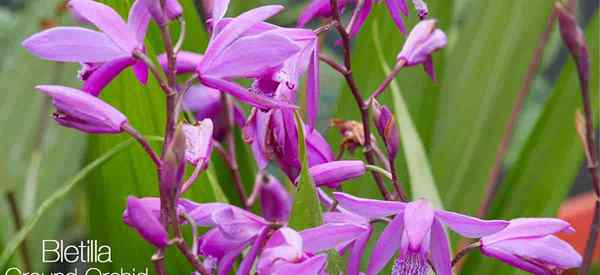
(332, 174)
(387, 128)
(79, 110)
(275, 201)
(574, 39)
(145, 223)
(173, 166)
(198, 141)
(423, 40)
(172, 10)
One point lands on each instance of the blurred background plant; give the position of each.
(461, 120)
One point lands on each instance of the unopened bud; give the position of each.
(574, 39)
(387, 128)
(173, 166)
(275, 201)
(332, 174)
(145, 223)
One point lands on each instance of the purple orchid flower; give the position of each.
(396, 8)
(417, 232)
(332, 174)
(528, 244)
(423, 40)
(198, 141)
(103, 54)
(79, 110)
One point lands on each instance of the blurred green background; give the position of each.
(459, 119)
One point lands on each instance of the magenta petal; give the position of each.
(108, 21)
(469, 227)
(198, 139)
(515, 261)
(72, 44)
(330, 235)
(369, 208)
(311, 266)
(140, 70)
(138, 20)
(202, 215)
(334, 173)
(275, 201)
(357, 252)
(237, 226)
(251, 56)
(236, 28)
(185, 62)
(146, 224)
(440, 249)
(418, 218)
(359, 17)
(318, 150)
(215, 245)
(219, 9)
(105, 74)
(312, 88)
(312, 10)
(395, 7)
(387, 245)
(529, 227)
(248, 261)
(549, 250)
(243, 94)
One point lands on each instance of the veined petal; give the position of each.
(330, 235)
(185, 62)
(198, 141)
(387, 245)
(418, 218)
(515, 261)
(440, 249)
(108, 21)
(105, 74)
(202, 215)
(549, 250)
(138, 20)
(469, 226)
(529, 227)
(243, 94)
(311, 266)
(214, 245)
(237, 226)
(72, 44)
(359, 17)
(251, 56)
(369, 208)
(235, 29)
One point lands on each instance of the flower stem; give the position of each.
(182, 32)
(364, 108)
(188, 183)
(18, 222)
(159, 262)
(492, 182)
(386, 82)
(460, 254)
(142, 141)
(396, 183)
(231, 152)
(379, 170)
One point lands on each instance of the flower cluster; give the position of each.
(274, 60)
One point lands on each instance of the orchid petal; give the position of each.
(440, 249)
(235, 225)
(387, 245)
(330, 235)
(146, 224)
(312, 89)
(357, 252)
(202, 215)
(108, 21)
(218, 10)
(72, 44)
(359, 17)
(140, 70)
(250, 56)
(248, 261)
(394, 8)
(244, 94)
(470, 227)
(312, 10)
(105, 74)
(418, 218)
(529, 227)
(311, 266)
(138, 20)
(369, 208)
(513, 260)
(235, 29)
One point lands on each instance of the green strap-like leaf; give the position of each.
(422, 183)
(14, 243)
